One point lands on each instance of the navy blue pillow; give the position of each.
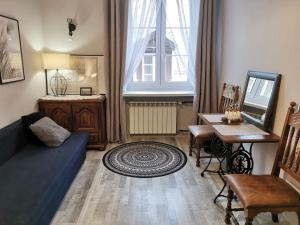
(29, 119)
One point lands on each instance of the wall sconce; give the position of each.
(72, 27)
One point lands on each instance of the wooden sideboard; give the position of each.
(79, 113)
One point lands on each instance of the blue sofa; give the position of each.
(34, 178)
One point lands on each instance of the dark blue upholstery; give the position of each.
(34, 181)
(12, 138)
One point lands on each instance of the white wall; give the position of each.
(20, 98)
(90, 35)
(263, 35)
(43, 26)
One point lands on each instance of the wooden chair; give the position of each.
(270, 193)
(200, 135)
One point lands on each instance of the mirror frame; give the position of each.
(266, 125)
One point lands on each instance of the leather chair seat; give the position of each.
(263, 191)
(201, 131)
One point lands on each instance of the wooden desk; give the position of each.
(212, 120)
(240, 160)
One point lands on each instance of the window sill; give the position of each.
(158, 94)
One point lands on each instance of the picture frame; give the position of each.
(86, 71)
(11, 57)
(86, 91)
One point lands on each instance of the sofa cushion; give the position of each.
(12, 138)
(29, 119)
(49, 132)
(32, 179)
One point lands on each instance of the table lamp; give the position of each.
(56, 61)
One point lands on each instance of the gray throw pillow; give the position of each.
(49, 132)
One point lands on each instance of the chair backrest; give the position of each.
(230, 95)
(288, 154)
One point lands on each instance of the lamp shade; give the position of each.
(53, 61)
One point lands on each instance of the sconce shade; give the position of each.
(53, 61)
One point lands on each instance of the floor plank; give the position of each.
(101, 197)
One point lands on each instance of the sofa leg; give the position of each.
(275, 218)
(228, 208)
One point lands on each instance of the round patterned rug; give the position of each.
(145, 159)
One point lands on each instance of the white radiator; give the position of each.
(152, 117)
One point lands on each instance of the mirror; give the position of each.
(259, 100)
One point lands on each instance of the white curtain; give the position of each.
(181, 28)
(183, 14)
(141, 24)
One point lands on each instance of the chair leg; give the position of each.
(298, 217)
(228, 208)
(275, 218)
(198, 156)
(248, 221)
(191, 144)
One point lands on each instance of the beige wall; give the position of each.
(20, 98)
(263, 35)
(89, 37)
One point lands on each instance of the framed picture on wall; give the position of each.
(11, 59)
(85, 72)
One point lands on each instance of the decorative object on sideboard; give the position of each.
(71, 27)
(86, 91)
(11, 59)
(86, 71)
(58, 83)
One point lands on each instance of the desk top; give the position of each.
(242, 133)
(214, 118)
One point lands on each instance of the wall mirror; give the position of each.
(259, 100)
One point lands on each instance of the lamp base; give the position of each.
(58, 84)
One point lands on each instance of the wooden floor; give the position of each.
(101, 197)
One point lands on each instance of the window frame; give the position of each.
(161, 84)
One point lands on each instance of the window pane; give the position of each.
(145, 72)
(146, 69)
(141, 12)
(148, 78)
(175, 41)
(175, 68)
(173, 10)
(148, 59)
(176, 59)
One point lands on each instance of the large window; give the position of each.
(167, 60)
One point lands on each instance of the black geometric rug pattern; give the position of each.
(145, 159)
